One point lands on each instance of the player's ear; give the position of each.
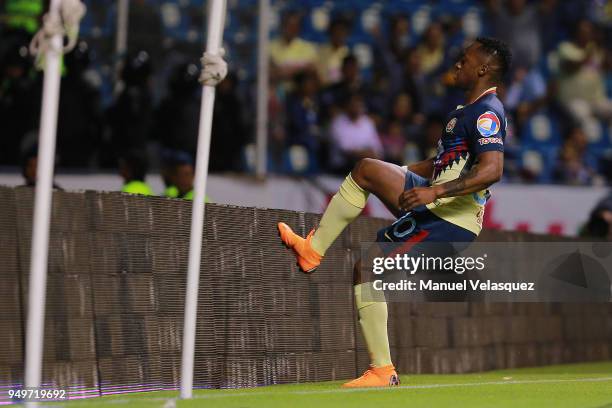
(484, 68)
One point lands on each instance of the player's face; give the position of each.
(466, 68)
(184, 175)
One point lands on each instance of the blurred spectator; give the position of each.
(131, 115)
(24, 14)
(525, 94)
(402, 111)
(581, 88)
(20, 96)
(333, 96)
(607, 68)
(353, 135)
(585, 38)
(600, 221)
(29, 167)
(289, 53)
(133, 169)
(431, 52)
(178, 174)
(517, 23)
(389, 52)
(400, 38)
(393, 142)
(146, 14)
(413, 80)
(276, 122)
(183, 179)
(575, 166)
(289, 56)
(550, 25)
(302, 113)
(178, 116)
(332, 54)
(432, 134)
(79, 120)
(404, 90)
(229, 131)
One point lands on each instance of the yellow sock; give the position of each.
(373, 321)
(344, 207)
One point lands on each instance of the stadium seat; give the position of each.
(598, 135)
(539, 160)
(455, 7)
(175, 21)
(471, 23)
(298, 160)
(421, 18)
(541, 129)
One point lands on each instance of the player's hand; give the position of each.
(415, 197)
(214, 68)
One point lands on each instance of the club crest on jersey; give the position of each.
(488, 124)
(451, 125)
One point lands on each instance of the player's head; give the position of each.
(137, 69)
(29, 162)
(184, 78)
(350, 68)
(306, 83)
(292, 25)
(133, 165)
(184, 174)
(353, 104)
(338, 31)
(79, 59)
(485, 60)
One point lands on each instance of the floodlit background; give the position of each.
(385, 59)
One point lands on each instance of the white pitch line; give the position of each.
(219, 394)
(400, 387)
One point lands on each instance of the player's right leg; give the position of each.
(385, 180)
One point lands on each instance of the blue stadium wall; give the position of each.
(115, 298)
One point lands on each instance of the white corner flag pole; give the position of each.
(121, 38)
(216, 21)
(42, 209)
(263, 74)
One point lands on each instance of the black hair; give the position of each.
(597, 226)
(290, 13)
(434, 119)
(30, 153)
(339, 22)
(137, 163)
(348, 96)
(500, 51)
(349, 59)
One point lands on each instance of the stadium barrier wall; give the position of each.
(115, 299)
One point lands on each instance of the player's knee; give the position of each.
(362, 172)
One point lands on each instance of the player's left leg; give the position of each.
(372, 313)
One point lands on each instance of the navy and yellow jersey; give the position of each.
(470, 130)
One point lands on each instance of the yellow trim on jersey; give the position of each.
(464, 211)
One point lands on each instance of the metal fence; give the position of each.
(115, 298)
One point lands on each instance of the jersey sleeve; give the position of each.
(487, 131)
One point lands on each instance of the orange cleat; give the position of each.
(307, 258)
(375, 377)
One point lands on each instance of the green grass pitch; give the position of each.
(571, 386)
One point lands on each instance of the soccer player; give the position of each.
(439, 200)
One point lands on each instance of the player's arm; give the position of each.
(487, 171)
(423, 168)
